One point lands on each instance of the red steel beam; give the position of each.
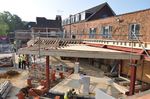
(95, 45)
(47, 71)
(125, 49)
(119, 48)
(132, 77)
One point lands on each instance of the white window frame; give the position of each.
(108, 33)
(72, 19)
(134, 31)
(92, 33)
(64, 22)
(82, 16)
(77, 17)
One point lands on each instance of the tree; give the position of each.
(17, 22)
(3, 26)
(10, 23)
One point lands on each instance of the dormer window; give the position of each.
(64, 22)
(68, 21)
(72, 19)
(77, 17)
(82, 16)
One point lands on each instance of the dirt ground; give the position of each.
(18, 82)
(84, 66)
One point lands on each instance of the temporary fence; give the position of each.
(6, 48)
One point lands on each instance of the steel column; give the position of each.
(132, 77)
(47, 71)
(120, 67)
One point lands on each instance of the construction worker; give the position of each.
(20, 61)
(23, 62)
(66, 95)
(14, 46)
(70, 94)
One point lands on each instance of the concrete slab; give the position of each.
(73, 82)
(81, 51)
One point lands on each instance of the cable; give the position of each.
(141, 44)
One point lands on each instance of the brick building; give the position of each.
(47, 28)
(127, 32)
(118, 27)
(22, 37)
(76, 24)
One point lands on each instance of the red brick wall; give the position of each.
(118, 28)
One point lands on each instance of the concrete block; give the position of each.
(76, 67)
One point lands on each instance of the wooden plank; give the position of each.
(120, 88)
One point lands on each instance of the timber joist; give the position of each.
(53, 42)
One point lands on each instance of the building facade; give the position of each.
(47, 28)
(114, 28)
(75, 25)
(22, 37)
(126, 32)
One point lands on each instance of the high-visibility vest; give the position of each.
(66, 95)
(23, 58)
(20, 59)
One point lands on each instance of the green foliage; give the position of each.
(9, 23)
(3, 28)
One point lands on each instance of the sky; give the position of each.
(28, 10)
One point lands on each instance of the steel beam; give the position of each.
(132, 77)
(47, 71)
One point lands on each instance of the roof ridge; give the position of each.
(102, 4)
(96, 11)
